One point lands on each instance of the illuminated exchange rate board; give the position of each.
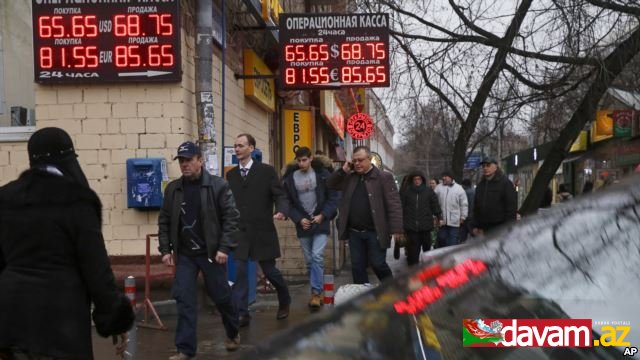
(106, 41)
(329, 51)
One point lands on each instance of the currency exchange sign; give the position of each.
(330, 51)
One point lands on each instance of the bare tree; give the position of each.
(491, 64)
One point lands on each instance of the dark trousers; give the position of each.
(186, 294)
(415, 240)
(241, 286)
(448, 236)
(465, 231)
(364, 246)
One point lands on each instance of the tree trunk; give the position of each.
(611, 68)
(468, 126)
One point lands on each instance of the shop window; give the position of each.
(17, 89)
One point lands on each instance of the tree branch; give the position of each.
(425, 78)
(615, 7)
(471, 25)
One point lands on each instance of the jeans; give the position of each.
(313, 251)
(415, 240)
(364, 246)
(241, 286)
(448, 236)
(185, 292)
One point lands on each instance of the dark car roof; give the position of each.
(579, 260)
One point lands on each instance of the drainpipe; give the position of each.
(204, 95)
(223, 82)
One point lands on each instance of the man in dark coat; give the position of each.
(496, 200)
(197, 222)
(53, 261)
(256, 188)
(419, 206)
(370, 213)
(312, 205)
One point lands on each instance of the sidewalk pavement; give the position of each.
(158, 344)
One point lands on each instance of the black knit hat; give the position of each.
(447, 173)
(50, 144)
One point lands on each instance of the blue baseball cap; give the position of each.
(187, 150)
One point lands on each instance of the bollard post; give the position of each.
(328, 290)
(130, 293)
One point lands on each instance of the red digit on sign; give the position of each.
(357, 74)
(290, 76)
(313, 52)
(121, 56)
(380, 53)
(119, 25)
(357, 51)
(46, 58)
(346, 74)
(77, 25)
(78, 56)
(382, 76)
(44, 29)
(370, 74)
(167, 55)
(324, 75)
(289, 55)
(58, 28)
(154, 55)
(345, 52)
(300, 53)
(91, 26)
(134, 55)
(324, 52)
(166, 27)
(92, 56)
(133, 25)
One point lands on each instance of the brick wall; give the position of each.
(114, 122)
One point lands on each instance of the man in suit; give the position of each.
(256, 188)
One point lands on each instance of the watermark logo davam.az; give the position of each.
(542, 333)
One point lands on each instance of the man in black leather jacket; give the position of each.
(197, 223)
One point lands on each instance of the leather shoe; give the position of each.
(244, 321)
(283, 312)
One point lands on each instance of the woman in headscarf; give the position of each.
(53, 260)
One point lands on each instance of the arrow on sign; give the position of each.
(148, 73)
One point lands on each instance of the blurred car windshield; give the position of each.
(579, 260)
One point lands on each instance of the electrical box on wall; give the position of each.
(146, 178)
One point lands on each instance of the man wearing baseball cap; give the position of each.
(496, 200)
(196, 224)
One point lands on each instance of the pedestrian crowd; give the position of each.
(51, 223)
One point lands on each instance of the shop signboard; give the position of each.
(622, 122)
(261, 91)
(298, 126)
(602, 127)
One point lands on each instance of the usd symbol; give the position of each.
(630, 351)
